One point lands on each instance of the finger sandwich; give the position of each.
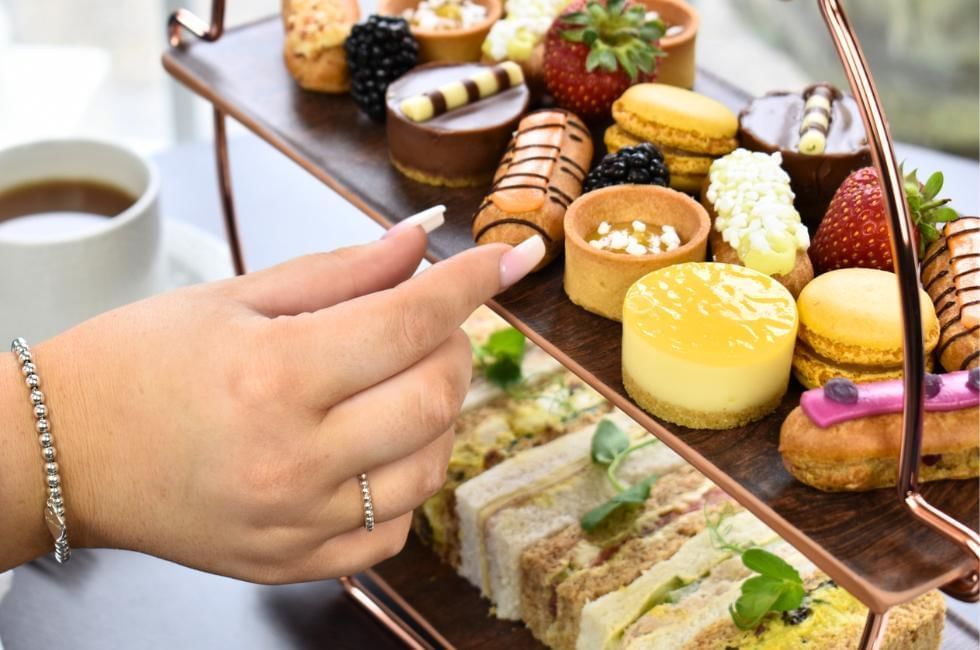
(688, 610)
(605, 619)
(830, 618)
(533, 496)
(560, 574)
(693, 612)
(496, 424)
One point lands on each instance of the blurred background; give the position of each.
(91, 67)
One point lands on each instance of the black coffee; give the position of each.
(64, 196)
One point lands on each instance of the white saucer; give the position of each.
(193, 255)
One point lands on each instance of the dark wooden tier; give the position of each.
(867, 542)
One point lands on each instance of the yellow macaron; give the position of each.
(616, 138)
(851, 326)
(688, 127)
(687, 173)
(678, 118)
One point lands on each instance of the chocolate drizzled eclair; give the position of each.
(539, 176)
(951, 277)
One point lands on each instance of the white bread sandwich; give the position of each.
(492, 433)
(497, 423)
(605, 619)
(830, 619)
(561, 573)
(695, 615)
(690, 609)
(533, 496)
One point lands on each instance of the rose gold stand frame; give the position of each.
(906, 268)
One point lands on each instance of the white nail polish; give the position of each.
(429, 220)
(520, 260)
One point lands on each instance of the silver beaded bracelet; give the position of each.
(54, 510)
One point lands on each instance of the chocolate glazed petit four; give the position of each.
(449, 123)
(820, 136)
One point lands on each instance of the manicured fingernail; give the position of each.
(429, 220)
(518, 261)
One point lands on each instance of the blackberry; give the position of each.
(642, 164)
(378, 52)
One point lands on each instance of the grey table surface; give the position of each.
(116, 599)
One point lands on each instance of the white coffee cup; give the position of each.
(55, 280)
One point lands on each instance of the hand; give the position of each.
(223, 426)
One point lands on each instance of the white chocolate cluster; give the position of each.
(527, 21)
(752, 196)
(436, 15)
(636, 238)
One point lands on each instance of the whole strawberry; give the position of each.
(854, 231)
(594, 51)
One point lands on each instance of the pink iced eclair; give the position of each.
(846, 436)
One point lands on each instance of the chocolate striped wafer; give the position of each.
(816, 119)
(490, 81)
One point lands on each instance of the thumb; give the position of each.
(321, 280)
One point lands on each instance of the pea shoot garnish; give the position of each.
(777, 588)
(500, 358)
(610, 447)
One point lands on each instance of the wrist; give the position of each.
(72, 423)
(24, 535)
(22, 493)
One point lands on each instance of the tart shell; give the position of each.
(597, 280)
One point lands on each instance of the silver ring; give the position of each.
(366, 502)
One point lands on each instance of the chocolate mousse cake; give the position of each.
(448, 124)
(820, 136)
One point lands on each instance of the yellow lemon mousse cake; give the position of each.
(708, 345)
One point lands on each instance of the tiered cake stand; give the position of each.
(884, 547)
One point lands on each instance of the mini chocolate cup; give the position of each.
(814, 178)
